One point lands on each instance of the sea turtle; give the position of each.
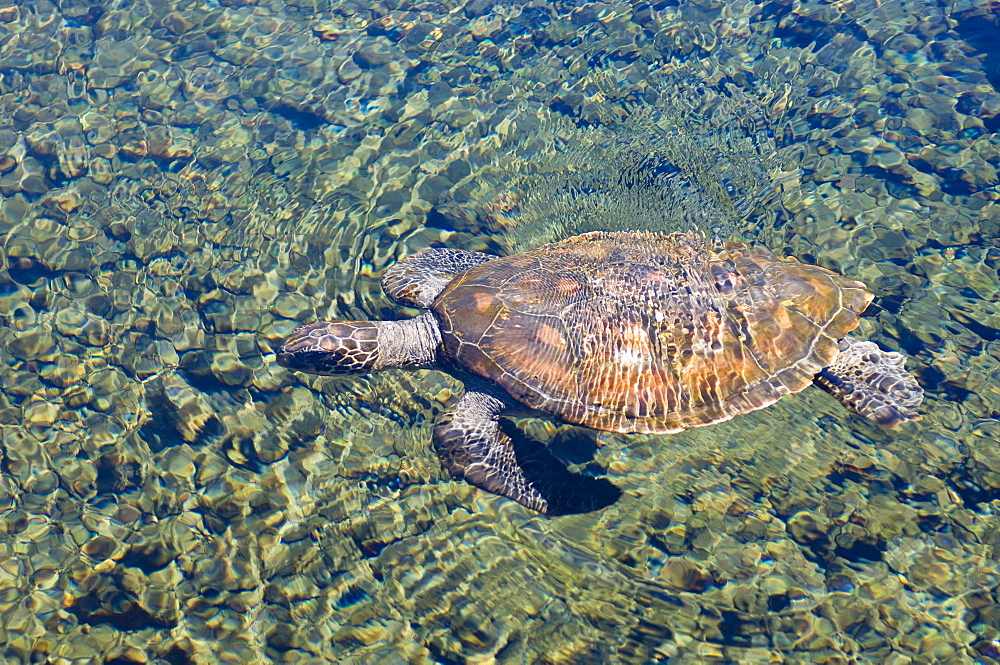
(621, 332)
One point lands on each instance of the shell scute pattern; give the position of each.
(646, 333)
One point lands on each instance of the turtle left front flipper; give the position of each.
(473, 445)
(872, 382)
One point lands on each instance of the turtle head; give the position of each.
(332, 347)
(357, 347)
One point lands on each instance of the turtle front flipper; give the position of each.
(872, 382)
(418, 279)
(472, 444)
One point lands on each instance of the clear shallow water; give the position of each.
(181, 185)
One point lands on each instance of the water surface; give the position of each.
(182, 184)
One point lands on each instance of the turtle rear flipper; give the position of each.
(472, 444)
(420, 278)
(872, 382)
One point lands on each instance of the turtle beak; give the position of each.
(298, 348)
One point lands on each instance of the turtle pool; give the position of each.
(183, 183)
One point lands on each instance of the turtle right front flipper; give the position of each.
(472, 444)
(420, 278)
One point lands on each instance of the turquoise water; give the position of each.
(183, 184)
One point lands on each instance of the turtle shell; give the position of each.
(636, 332)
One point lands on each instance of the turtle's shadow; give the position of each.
(567, 492)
